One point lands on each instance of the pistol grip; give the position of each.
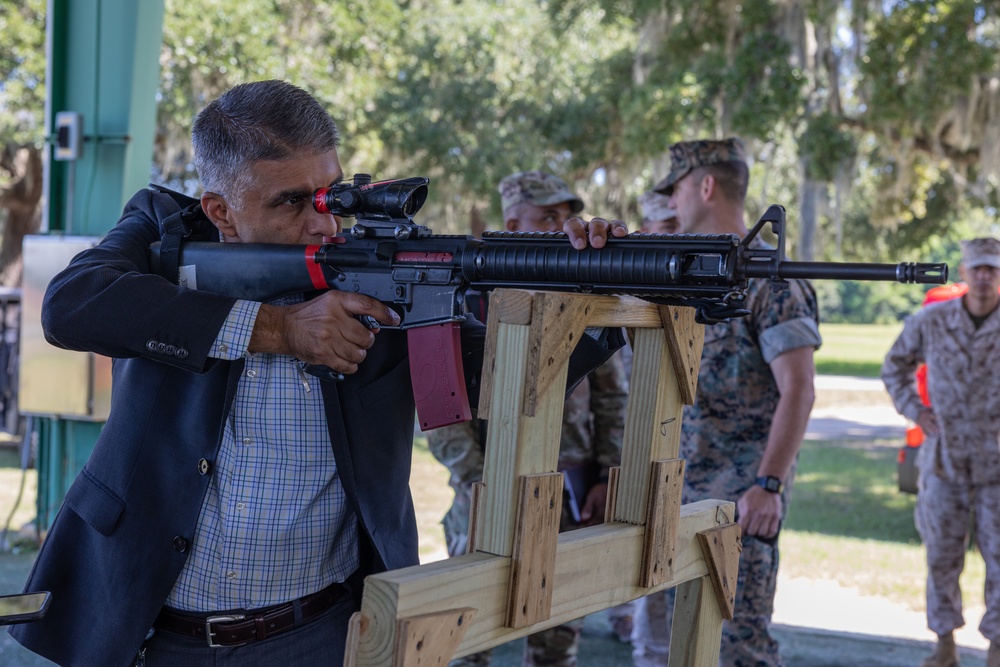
(323, 372)
(437, 375)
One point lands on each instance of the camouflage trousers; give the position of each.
(555, 647)
(942, 519)
(746, 640)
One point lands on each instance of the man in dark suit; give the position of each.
(233, 503)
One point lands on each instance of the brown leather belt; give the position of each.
(237, 628)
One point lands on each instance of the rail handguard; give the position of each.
(424, 276)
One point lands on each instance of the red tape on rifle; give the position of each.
(314, 269)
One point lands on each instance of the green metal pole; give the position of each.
(103, 62)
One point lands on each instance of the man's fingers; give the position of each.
(336, 329)
(594, 233)
(766, 528)
(597, 232)
(576, 229)
(365, 306)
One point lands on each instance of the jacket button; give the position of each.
(170, 350)
(161, 348)
(181, 353)
(151, 345)
(180, 544)
(203, 466)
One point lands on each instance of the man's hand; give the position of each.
(324, 330)
(759, 512)
(928, 422)
(594, 233)
(592, 513)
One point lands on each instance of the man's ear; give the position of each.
(511, 224)
(708, 184)
(962, 273)
(217, 210)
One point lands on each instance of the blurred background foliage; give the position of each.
(876, 123)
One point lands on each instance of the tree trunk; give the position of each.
(20, 197)
(807, 215)
(477, 223)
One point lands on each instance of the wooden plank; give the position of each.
(609, 507)
(474, 514)
(557, 323)
(685, 340)
(509, 307)
(353, 639)
(696, 633)
(663, 507)
(596, 568)
(652, 423)
(516, 444)
(430, 639)
(624, 311)
(605, 311)
(533, 560)
(722, 547)
(513, 306)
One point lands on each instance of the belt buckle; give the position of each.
(209, 635)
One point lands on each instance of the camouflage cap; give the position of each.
(688, 155)
(538, 188)
(981, 252)
(656, 206)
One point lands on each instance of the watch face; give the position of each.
(772, 484)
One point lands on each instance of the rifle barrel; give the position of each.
(927, 273)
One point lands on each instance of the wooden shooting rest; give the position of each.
(521, 575)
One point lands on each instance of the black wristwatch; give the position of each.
(770, 483)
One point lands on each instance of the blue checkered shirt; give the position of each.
(274, 525)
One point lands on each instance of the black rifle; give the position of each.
(424, 276)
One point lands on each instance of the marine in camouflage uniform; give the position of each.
(593, 423)
(959, 462)
(738, 437)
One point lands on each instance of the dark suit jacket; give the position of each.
(120, 540)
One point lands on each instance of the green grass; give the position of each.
(431, 499)
(10, 484)
(854, 349)
(848, 488)
(849, 523)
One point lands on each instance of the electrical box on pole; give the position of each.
(69, 136)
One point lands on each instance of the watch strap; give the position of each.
(770, 483)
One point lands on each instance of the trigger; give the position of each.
(369, 321)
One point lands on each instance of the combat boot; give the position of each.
(945, 653)
(993, 656)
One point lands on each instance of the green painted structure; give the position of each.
(103, 62)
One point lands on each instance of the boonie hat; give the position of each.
(688, 155)
(981, 252)
(538, 188)
(655, 206)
